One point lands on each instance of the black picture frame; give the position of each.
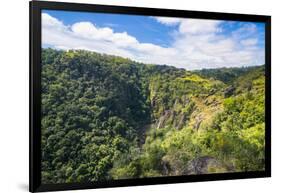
(35, 94)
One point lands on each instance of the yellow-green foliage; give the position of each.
(195, 78)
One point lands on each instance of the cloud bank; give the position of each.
(196, 43)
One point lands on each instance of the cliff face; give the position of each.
(186, 101)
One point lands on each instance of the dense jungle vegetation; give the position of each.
(106, 117)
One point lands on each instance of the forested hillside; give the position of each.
(106, 117)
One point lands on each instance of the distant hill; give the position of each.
(106, 117)
(227, 75)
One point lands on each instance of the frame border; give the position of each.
(35, 8)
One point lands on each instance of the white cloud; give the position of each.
(89, 31)
(170, 21)
(199, 26)
(197, 43)
(49, 21)
(249, 42)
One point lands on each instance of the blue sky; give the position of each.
(184, 43)
(144, 28)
